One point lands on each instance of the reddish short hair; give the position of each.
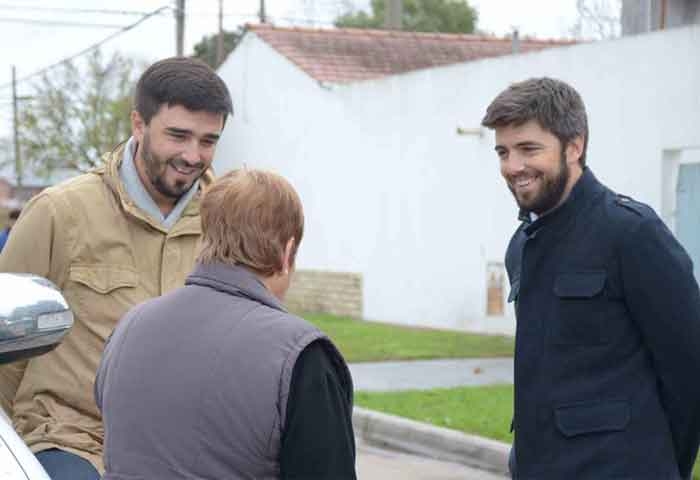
(248, 216)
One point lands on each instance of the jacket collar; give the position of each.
(109, 171)
(234, 280)
(586, 189)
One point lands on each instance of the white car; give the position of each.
(34, 317)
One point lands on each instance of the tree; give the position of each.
(6, 155)
(598, 19)
(76, 115)
(446, 16)
(205, 49)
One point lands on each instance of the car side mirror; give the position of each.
(34, 316)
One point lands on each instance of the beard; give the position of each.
(551, 192)
(156, 167)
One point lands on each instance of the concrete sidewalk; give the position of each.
(379, 464)
(404, 435)
(417, 438)
(427, 374)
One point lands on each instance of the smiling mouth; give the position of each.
(184, 169)
(523, 183)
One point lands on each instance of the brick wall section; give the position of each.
(337, 293)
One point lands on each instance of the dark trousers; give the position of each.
(62, 465)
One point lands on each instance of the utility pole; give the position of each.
(220, 38)
(515, 41)
(393, 15)
(664, 12)
(263, 16)
(180, 27)
(18, 160)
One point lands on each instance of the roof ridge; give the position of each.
(353, 54)
(372, 32)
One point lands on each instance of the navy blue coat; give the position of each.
(607, 355)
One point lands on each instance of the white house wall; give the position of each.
(279, 112)
(391, 191)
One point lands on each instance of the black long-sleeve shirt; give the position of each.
(318, 442)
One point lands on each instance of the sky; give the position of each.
(34, 46)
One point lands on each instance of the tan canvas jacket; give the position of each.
(105, 255)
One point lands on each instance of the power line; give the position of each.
(216, 14)
(255, 15)
(72, 10)
(58, 23)
(91, 47)
(247, 15)
(279, 18)
(303, 20)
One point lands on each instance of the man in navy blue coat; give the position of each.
(607, 351)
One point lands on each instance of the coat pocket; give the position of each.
(581, 310)
(103, 278)
(100, 295)
(594, 417)
(579, 284)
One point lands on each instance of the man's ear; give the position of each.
(138, 126)
(574, 150)
(287, 256)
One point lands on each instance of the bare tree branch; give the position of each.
(598, 19)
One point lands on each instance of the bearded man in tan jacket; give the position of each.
(110, 239)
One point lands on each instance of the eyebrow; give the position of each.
(526, 143)
(184, 131)
(529, 143)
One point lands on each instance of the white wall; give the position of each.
(391, 191)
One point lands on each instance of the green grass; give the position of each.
(363, 341)
(484, 411)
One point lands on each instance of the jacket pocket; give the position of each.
(100, 295)
(581, 310)
(595, 417)
(103, 278)
(579, 284)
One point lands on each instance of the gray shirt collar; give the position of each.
(138, 193)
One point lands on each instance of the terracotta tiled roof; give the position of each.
(347, 55)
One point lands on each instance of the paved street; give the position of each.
(376, 464)
(419, 375)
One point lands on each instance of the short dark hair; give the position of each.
(14, 213)
(181, 81)
(555, 105)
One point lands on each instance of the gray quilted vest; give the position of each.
(199, 390)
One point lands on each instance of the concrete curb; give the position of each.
(419, 438)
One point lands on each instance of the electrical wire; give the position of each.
(106, 11)
(58, 23)
(91, 47)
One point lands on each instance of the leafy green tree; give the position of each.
(205, 49)
(6, 155)
(445, 16)
(76, 115)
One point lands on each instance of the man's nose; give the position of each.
(512, 164)
(191, 153)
